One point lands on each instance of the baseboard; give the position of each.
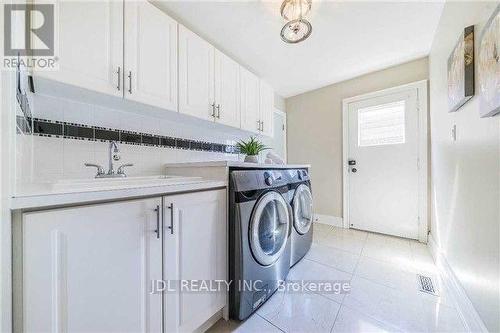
(468, 313)
(328, 219)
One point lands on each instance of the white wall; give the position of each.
(314, 128)
(466, 172)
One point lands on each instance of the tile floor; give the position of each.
(384, 296)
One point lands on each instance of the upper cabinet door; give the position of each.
(150, 55)
(90, 45)
(266, 108)
(249, 88)
(196, 75)
(227, 90)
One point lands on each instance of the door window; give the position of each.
(381, 124)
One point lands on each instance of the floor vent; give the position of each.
(425, 284)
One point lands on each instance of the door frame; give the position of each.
(283, 114)
(423, 184)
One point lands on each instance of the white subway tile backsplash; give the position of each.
(75, 154)
(46, 107)
(41, 158)
(47, 162)
(79, 113)
(108, 118)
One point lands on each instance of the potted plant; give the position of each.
(251, 149)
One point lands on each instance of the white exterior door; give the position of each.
(227, 90)
(196, 75)
(195, 249)
(89, 268)
(383, 149)
(266, 108)
(279, 134)
(150, 55)
(250, 117)
(90, 45)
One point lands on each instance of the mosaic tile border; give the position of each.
(49, 128)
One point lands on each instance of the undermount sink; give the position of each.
(126, 182)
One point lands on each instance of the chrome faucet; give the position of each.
(113, 155)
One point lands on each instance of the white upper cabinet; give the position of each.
(195, 249)
(196, 75)
(266, 108)
(90, 45)
(150, 56)
(227, 90)
(249, 88)
(89, 268)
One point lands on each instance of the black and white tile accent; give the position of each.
(49, 128)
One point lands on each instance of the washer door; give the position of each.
(269, 227)
(302, 209)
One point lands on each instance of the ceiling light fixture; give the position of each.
(297, 28)
(295, 9)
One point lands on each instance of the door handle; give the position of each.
(258, 125)
(118, 73)
(213, 109)
(129, 82)
(262, 126)
(157, 231)
(171, 226)
(218, 111)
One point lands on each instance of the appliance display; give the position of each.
(259, 238)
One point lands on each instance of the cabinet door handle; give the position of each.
(157, 231)
(118, 73)
(213, 109)
(218, 111)
(258, 125)
(262, 126)
(171, 226)
(129, 82)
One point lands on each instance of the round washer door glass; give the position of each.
(302, 209)
(269, 228)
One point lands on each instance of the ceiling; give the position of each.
(349, 38)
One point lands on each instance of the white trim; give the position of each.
(421, 87)
(328, 219)
(283, 114)
(466, 310)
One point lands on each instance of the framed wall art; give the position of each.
(489, 67)
(461, 71)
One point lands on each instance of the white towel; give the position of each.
(275, 158)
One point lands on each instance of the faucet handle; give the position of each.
(100, 169)
(121, 168)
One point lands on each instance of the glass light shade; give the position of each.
(296, 31)
(295, 9)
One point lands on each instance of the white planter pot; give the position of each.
(252, 158)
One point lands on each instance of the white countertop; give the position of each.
(237, 164)
(42, 195)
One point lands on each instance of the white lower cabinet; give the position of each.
(195, 249)
(91, 268)
(88, 268)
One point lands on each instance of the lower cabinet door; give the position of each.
(89, 268)
(195, 254)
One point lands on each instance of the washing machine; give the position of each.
(259, 238)
(301, 202)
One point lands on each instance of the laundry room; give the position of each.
(250, 166)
